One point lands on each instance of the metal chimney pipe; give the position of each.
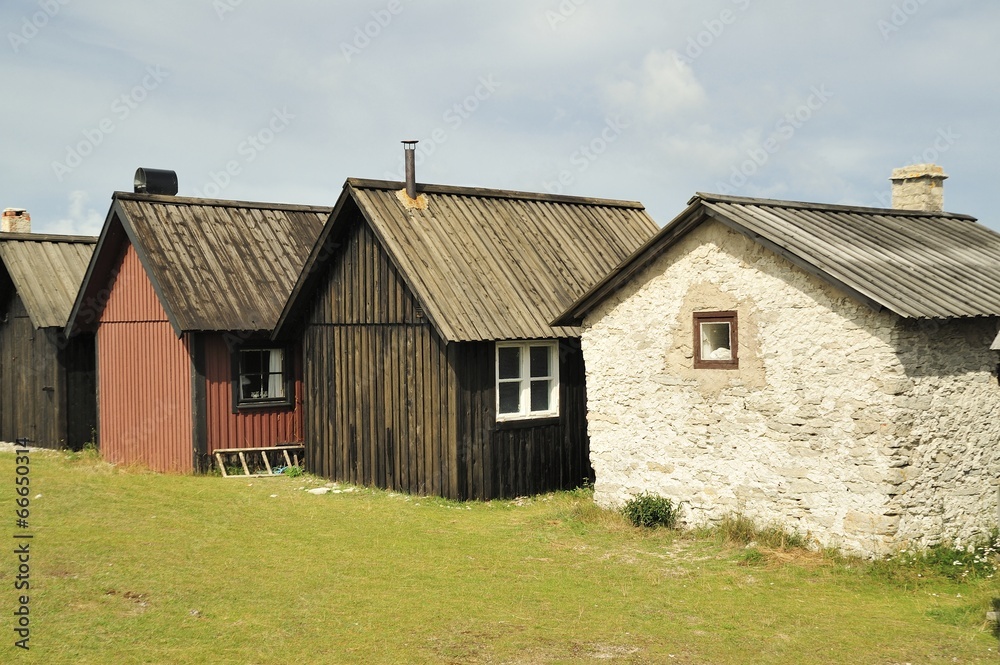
(409, 151)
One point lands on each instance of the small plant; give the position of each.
(649, 510)
(978, 560)
(751, 556)
(738, 528)
(292, 471)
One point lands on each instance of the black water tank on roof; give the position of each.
(155, 181)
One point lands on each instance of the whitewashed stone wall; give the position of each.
(862, 429)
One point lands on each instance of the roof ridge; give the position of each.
(46, 237)
(484, 192)
(830, 207)
(218, 203)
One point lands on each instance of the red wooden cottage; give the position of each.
(182, 295)
(430, 364)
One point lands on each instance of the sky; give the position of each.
(639, 100)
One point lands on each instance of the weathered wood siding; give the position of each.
(380, 404)
(525, 457)
(32, 381)
(389, 403)
(250, 427)
(144, 377)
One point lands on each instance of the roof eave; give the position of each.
(668, 236)
(306, 284)
(99, 259)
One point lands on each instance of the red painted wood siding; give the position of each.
(144, 377)
(251, 427)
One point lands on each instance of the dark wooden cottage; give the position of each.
(430, 364)
(182, 295)
(46, 382)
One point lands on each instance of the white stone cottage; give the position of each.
(827, 368)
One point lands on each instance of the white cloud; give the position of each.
(80, 219)
(664, 84)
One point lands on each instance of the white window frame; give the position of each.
(525, 381)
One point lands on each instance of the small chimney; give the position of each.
(16, 220)
(918, 187)
(409, 151)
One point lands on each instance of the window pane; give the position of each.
(540, 395)
(715, 344)
(276, 378)
(510, 397)
(252, 386)
(251, 362)
(509, 361)
(540, 361)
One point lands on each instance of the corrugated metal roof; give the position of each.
(46, 271)
(493, 264)
(916, 264)
(217, 265)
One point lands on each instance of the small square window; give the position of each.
(527, 380)
(260, 377)
(716, 343)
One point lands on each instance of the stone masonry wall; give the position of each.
(825, 427)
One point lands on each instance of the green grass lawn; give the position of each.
(131, 567)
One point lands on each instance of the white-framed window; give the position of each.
(527, 380)
(261, 377)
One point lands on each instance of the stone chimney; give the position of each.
(918, 187)
(15, 220)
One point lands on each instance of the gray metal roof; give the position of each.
(493, 264)
(916, 264)
(215, 265)
(46, 271)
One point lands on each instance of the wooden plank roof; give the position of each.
(490, 264)
(46, 271)
(215, 265)
(920, 265)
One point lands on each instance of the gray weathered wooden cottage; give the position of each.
(46, 382)
(430, 365)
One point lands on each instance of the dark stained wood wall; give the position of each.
(525, 457)
(389, 403)
(47, 389)
(379, 385)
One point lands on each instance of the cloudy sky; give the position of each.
(642, 100)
